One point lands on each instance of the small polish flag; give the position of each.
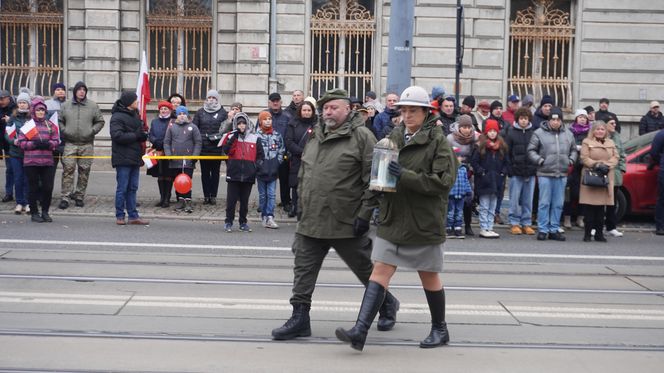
(11, 131)
(29, 129)
(54, 119)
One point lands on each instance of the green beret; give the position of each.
(333, 94)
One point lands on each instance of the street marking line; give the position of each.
(288, 249)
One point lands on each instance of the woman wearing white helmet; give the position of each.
(412, 220)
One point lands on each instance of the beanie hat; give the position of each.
(465, 121)
(165, 104)
(213, 93)
(58, 85)
(491, 124)
(23, 97)
(484, 104)
(182, 110)
(264, 115)
(496, 104)
(556, 113)
(580, 112)
(546, 99)
(127, 98)
(371, 95)
(469, 101)
(437, 91)
(528, 99)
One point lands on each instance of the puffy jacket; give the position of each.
(651, 122)
(182, 139)
(80, 121)
(552, 151)
(210, 124)
(415, 214)
(517, 140)
(490, 172)
(157, 133)
(126, 136)
(334, 180)
(243, 151)
(273, 156)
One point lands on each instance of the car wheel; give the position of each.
(621, 204)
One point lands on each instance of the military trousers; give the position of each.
(71, 163)
(309, 255)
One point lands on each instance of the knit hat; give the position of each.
(333, 94)
(556, 113)
(465, 121)
(469, 101)
(491, 124)
(181, 109)
(437, 91)
(23, 97)
(354, 100)
(165, 104)
(311, 99)
(371, 95)
(4, 93)
(263, 115)
(496, 104)
(58, 85)
(546, 99)
(213, 93)
(580, 112)
(484, 104)
(127, 98)
(528, 100)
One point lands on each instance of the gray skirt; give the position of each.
(428, 258)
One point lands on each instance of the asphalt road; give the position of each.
(84, 295)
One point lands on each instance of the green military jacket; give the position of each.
(80, 121)
(416, 213)
(334, 179)
(621, 167)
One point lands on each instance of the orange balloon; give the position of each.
(182, 183)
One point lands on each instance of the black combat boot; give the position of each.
(439, 335)
(387, 314)
(36, 217)
(599, 233)
(587, 228)
(168, 185)
(469, 230)
(374, 295)
(298, 325)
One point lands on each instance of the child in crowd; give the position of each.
(489, 162)
(268, 167)
(460, 194)
(464, 137)
(161, 170)
(182, 138)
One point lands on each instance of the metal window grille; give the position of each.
(179, 48)
(541, 47)
(342, 35)
(31, 35)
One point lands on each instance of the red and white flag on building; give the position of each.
(11, 131)
(143, 89)
(29, 129)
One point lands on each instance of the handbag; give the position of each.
(593, 178)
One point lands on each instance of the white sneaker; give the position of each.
(271, 223)
(488, 234)
(615, 233)
(592, 232)
(26, 209)
(561, 230)
(18, 209)
(264, 221)
(494, 234)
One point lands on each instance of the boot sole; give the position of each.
(443, 343)
(344, 337)
(285, 337)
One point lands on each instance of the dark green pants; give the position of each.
(310, 253)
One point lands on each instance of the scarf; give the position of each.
(464, 139)
(493, 145)
(266, 130)
(211, 107)
(579, 129)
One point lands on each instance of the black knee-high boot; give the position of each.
(587, 230)
(160, 183)
(357, 335)
(167, 185)
(439, 335)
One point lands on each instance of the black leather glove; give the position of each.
(395, 169)
(360, 227)
(141, 136)
(602, 168)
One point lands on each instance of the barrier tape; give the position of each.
(157, 157)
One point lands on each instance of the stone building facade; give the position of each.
(582, 51)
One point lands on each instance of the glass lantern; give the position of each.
(384, 152)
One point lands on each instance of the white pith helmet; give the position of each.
(414, 96)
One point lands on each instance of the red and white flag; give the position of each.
(29, 129)
(11, 131)
(143, 89)
(54, 119)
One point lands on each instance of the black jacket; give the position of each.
(517, 140)
(298, 133)
(489, 172)
(447, 122)
(539, 118)
(209, 125)
(6, 111)
(605, 115)
(650, 123)
(126, 136)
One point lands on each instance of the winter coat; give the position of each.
(539, 118)
(17, 120)
(552, 151)
(209, 125)
(517, 140)
(291, 109)
(280, 120)
(657, 151)
(508, 117)
(298, 134)
(461, 186)
(416, 213)
(334, 179)
(651, 122)
(182, 139)
(52, 106)
(447, 120)
(126, 136)
(490, 170)
(157, 133)
(465, 150)
(605, 116)
(621, 168)
(47, 131)
(383, 123)
(273, 156)
(80, 121)
(501, 123)
(243, 151)
(592, 153)
(6, 111)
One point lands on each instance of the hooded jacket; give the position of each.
(127, 135)
(182, 139)
(517, 140)
(81, 120)
(243, 150)
(552, 151)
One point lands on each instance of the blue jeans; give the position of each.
(521, 200)
(551, 200)
(487, 211)
(9, 176)
(455, 213)
(20, 181)
(125, 193)
(267, 197)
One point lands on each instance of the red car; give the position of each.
(638, 194)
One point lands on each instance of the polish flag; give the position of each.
(11, 131)
(143, 90)
(54, 119)
(29, 129)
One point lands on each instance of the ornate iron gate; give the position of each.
(179, 47)
(342, 33)
(541, 45)
(31, 44)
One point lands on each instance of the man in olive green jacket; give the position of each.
(336, 207)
